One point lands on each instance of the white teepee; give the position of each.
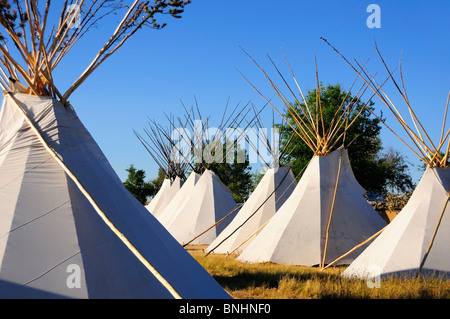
(299, 234)
(416, 242)
(272, 191)
(68, 226)
(177, 201)
(159, 197)
(205, 207)
(209, 202)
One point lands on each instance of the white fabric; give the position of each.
(158, 199)
(167, 196)
(297, 232)
(400, 248)
(168, 213)
(272, 191)
(209, 202)
(164, 196)
(48, 226)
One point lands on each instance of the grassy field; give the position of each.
(274, 281)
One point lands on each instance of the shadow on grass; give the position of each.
(269, 279)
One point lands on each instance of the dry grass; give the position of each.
(274, 281)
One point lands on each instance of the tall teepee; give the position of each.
(416, 242)
(326, 214)
(68, 227)
(272, 191)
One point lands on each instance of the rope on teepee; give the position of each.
(264, 225)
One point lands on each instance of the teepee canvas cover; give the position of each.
(416, 242)
(272, 191)
(177, 201)
(49, 226)
(208, 203)
(159, 197)
(402, 247)
(164, 196)
(298, 233)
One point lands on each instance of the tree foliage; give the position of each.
(137, 186)
(235, 174)
(375, 171)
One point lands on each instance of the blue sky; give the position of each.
(198, 56)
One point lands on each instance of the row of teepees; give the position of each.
(68, 226)
(326, 220)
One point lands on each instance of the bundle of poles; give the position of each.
(420, 143)
(31, 48)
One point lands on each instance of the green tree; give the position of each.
(158, 181)
(375, 171)
(237, 177)
(235, 174)
(395, 169)
(137, 186)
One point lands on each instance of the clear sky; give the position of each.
(198, 56)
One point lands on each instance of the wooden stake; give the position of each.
(332, 207)
(217, 223)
